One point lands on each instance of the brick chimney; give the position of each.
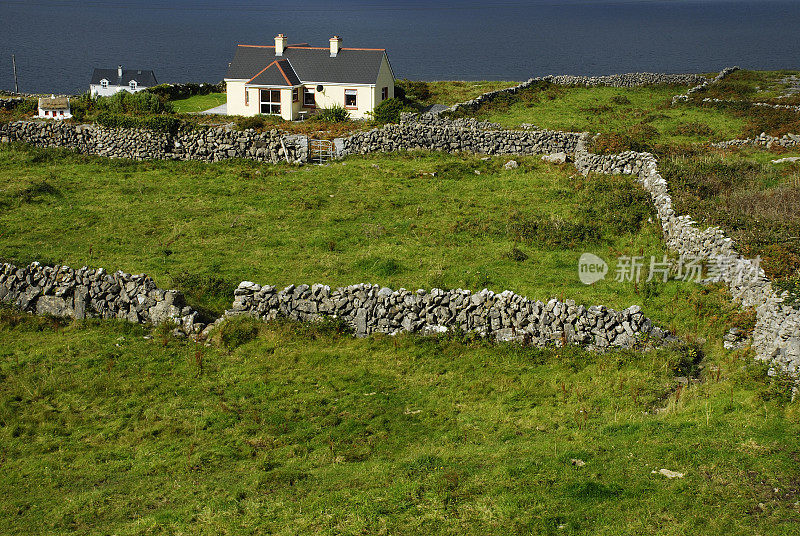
(280, 44)
(336, 45)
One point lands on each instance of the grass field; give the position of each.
(199, 103)
(377, 219)
(301, 431)
(614, 110)
(288, 428)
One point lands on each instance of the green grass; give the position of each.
(614, 110)
(199, 103)
(447, 92)
(299, 431)
(377, 219)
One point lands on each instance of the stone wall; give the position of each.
(206, 144)
(614, 80)
(704, 84)
(63, 292)
(763, 140)
(427, 131)
(776, 337)
(505, 316)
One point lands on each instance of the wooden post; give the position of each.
(14, 63)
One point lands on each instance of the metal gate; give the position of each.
(320, 151)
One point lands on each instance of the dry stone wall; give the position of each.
(84, 293)
(704, 84)
(763, 140)
(614, 80)
(207, 144)
(505, 316)
(776, 337)
(427, 131)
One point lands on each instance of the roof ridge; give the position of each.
(310, 47)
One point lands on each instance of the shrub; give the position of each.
(335, 113)
(389, 111)
(133, 103)
(412, 90)
(620, 99)
(553, 233)
(692, 129)
(168, 92)
(256, 122)
(639, 138)
(161, 123)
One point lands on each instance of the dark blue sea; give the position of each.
(58, 42)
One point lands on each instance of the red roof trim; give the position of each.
(283, 73)
(264, 69)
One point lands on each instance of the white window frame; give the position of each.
(104, 83)
(132, 84)
(351, 93)
(274, 106)
(312, 92)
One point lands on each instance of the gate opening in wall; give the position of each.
(320, 151)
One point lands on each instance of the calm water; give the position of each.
(58, 42)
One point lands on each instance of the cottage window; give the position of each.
(47, 112)
(308, 97)
(350, 98)
(271, 101)
(295, 95)
(133, 85)
(384, 93)
(104, 83)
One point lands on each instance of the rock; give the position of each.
(511, 164)
(555, 158)
(669, 474)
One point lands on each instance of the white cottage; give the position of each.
(54, 108)
(295, 80)
(106, 82)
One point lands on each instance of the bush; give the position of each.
(255, 122)
(133, 103)
(412, 90)
(639, 138)
(620, 99)
(333, 114)
(168, 92)
(553, 233)
(389, 111)
(161, 123)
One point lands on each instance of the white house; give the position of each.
(286, 80)
(54, 108)
(106, 82)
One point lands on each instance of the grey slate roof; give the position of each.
(311, 64)
(143, 78)
(277, 73)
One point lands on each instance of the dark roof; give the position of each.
(277, 73)
(143, 78)
(311, 64)
(54, 103)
